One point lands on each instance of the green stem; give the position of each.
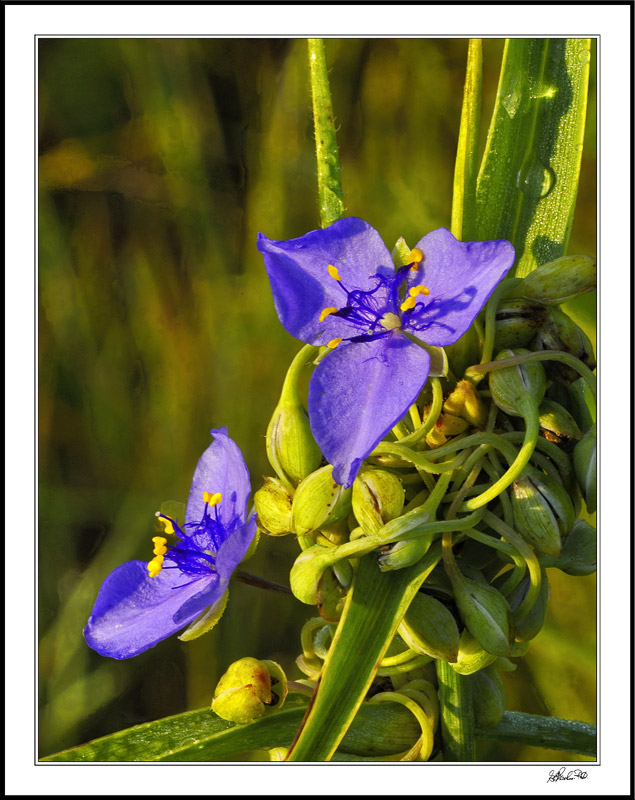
(532, 429)
(526, 551)
(541, 355)
(330, 195)
(466, 166)
(431, 418)
(418, 459)
(397, 669)
(549, 732)
(490, 321)
(508, 451)
(550, 449)
(299, 688)
(457, 714)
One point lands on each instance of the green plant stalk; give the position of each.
(457, 714)
(330, 195)
(548, 732)
(433, 415)
(398, 669)
(466, 165)
(474, 439)
(550, 449)
(374, 608)
(540, 355)
(490, 320)
(535, 575)
(532, 430)
(420, 461)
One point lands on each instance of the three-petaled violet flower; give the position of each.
(141, 603)
(338, 287)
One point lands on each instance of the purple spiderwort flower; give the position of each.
(338, 287)
(141, 603)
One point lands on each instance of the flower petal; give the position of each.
(302, 287)
(460, 276)
(229, 555)
(133, 611)
(222, 469)
(358, 393)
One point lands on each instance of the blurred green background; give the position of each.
(160, 161)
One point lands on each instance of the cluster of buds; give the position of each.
(493, 467)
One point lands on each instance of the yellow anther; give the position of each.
(169, 528)
(159, 545)
(155, 566)
(325, 312)
(418, 290)
(408, 303)
(417, 256)
(333, 343)
(334, 273)
(212, 498)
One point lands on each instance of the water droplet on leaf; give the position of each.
(535, 180)
(511, 101)
(584, 55)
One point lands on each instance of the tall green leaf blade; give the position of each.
(528, 181)
(375, 607)
(466, 165)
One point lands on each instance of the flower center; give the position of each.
(368, 310)
(390, 321)
(196, 542)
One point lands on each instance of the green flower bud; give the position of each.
(517, 322)
(559, 281)
(290, 443)
(318, 501)
(485, 613)
(466, 402)
(489, 697)
(378, 496)
(556, 423)
(243, 692)
(273, 508)
(429, 628)
(404, 554)
(465, 352)
(579, 551)
(512, 386)
(543, 512)
(531, 624)
(585, 465)
(559, 332)
(471, 656)
(577, 405)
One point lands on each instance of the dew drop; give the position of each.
(584, 56)
(536, 180)
(511, 101)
